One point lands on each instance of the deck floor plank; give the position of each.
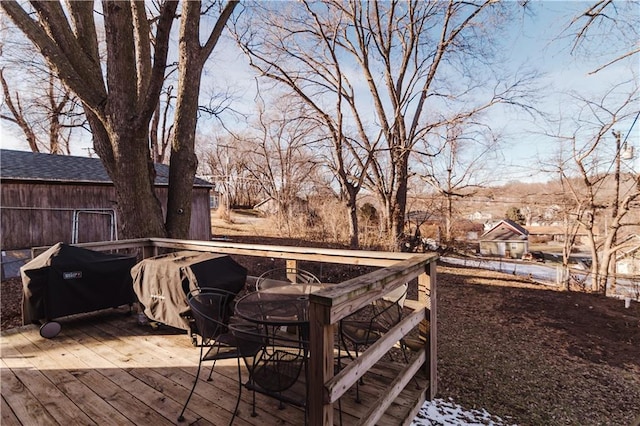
(7, 416)
(105, 368)
(61, 370)
(224, 379)
(211, 399)
(26, 407)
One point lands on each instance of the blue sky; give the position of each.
(540, 41)
(535, 40)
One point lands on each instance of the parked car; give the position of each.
(531, 256)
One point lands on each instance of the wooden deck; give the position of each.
(105, 369)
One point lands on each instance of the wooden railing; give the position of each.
(329, 306)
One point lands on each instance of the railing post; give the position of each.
(291, 264)
(321, 342)
(149, 251)
(427, 285)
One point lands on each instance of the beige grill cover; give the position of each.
(163, 282)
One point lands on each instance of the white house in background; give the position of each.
(552, 213)
(628, 258)
(506, 239)
(479, 216)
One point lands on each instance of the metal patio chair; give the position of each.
(279, 368)
(367, 325)
(285, 276)
(211, 309)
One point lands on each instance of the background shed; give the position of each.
(45, 199)
(506, 239)
(628, 258)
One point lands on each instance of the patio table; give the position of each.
(278, 306)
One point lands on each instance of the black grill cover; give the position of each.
(163, 282)
(67, 280)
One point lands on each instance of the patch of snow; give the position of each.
(439, 412)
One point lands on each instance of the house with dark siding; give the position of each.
(45, 199)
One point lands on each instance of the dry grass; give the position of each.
(537, 356)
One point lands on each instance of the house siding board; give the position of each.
(628, 262)
(628, 266)
(42, 214)
(200, 227)
(489, 248)
(513, 249)
(505, 239)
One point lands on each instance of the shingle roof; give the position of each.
(505, 230)
(32, 166)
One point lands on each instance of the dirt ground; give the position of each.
(523, 352)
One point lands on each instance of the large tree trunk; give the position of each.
(183, 161)
(399, 204)
(353, 222)
(131, 170)
(118, 112)
(126, 116)
(448, 219)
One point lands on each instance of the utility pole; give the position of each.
(614, 212)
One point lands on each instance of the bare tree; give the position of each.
(192, 58)
(226, 165)
(281, 158)
(44, 110)
(311, 69)
(386, 68)
(458, 166)
(120, 101)
(573, 214)
(606, 30)
(161, 130)
(612, 25)
(604, 190)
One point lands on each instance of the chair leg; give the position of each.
(358, 382)
(195, 382)
(339, 369)
(253, 412)
(211, 371)
(346, 348)
(351, 357)
(235, 410)
(406, 360)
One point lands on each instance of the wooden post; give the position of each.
(428, 329)
(149, 251)
(320, 365)
(292, 264)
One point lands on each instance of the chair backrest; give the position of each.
(285, 276)
(211, 309)
(277, 366)
(398, 295)
(388, 310)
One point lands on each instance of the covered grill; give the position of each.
(67, 280)
(163, 282)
